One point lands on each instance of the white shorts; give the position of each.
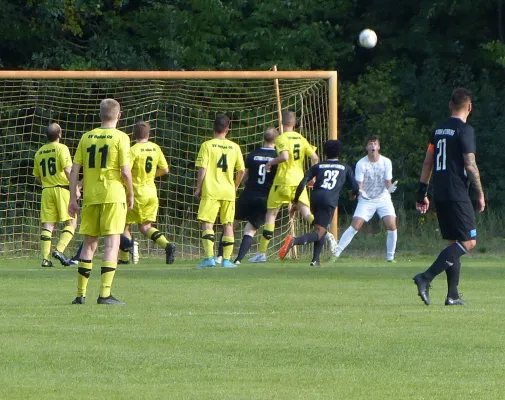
(381, 205)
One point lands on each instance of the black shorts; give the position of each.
(252, 209)
(456, 220)
(322, 210)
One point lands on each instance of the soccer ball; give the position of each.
(367, 38)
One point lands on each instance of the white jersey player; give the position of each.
(373, 175)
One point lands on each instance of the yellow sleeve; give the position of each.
(36, 168)
(124, 150)
(239, 165)
(78, 154)
(202, 160)
(162, 161)
(281, 144)
(309, 149)
(65, 159)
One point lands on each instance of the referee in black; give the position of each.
(451, 159)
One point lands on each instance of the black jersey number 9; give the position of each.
(149, 164)
(223, 163)
(50, 167)
(296, 151)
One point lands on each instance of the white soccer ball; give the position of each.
(367, 38)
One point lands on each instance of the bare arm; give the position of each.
(314, 159)
(472, 171)
(126, 174)
(422, 202)
(427, 167)
(73, 178)
(39, 181)
(67, 172)
(282, 157)
(238, 178)
(161, 172)
(199, 181)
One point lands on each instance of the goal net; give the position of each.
(180, 107)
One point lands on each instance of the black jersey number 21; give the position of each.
(223, 163)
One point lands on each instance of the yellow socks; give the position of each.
(157, 237)
(208, 239)
(268, 234)
(66, 236)
(45, 243)
(83, 272)
(228, 242)
(108, 271)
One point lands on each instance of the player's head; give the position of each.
(288, 119)
(461, 101)
(269, 136)
(221, 124)
(53, 132)
(141, 130)
(109, 110)
(372, 144)
(332, 149)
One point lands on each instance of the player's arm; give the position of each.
(422, 202)
(301, 186)
(360, 178)
(238, 178)
(472, 171)
(282, 157)
(199, 181)
(73, 179)
(126, 175)
(162, 167)
(351, 181)
(162, 171)
(239, 167)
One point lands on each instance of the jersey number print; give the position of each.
(330, 179)
(223, 163)
(149, 164)
(441, 154)
(92, 155)
(50, 167)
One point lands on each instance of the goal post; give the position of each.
(180, 106)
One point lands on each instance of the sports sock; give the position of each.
(306, 238)
(208, 239)
(157, 237)
(268, 234)
(125, 246)
(318, 247)
(45, 243)
(124, 255)
(83, 272)
(66, 236)
(453, 279)
(107, 273)
(220, 246)
(228, 242)
(346, 238)
(391, 244)
(447, 258)
(245, 245)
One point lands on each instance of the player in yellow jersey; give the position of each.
(148, 162)
(52, 169)
(216, 187)
(292, 148)
(104, 155)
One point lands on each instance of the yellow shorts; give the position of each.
(103, 219)
(54, 205)
(280, 195)
(145, 209)
(209, 208)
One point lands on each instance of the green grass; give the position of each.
(352, 330)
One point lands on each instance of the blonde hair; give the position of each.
(109, 109)
(270, 135)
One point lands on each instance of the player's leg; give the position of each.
(67, 233)
(159, 239)
(348, 235)
(387, 213)
(246, 243)
(457, 224)
(85, 265)
(268, 234)
(304, 207)
(227, 215)
(207, 214)
(125, 245)
(45, 243)
(112, 223)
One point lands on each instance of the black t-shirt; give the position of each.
(330, 177)
(259, 181)
(451, 140)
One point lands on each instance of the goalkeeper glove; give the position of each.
(422, 192)
(363, 194)
(392, 188)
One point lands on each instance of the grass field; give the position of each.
(352, 330)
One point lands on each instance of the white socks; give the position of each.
(391, 244)
(345, 240)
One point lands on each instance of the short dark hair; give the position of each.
(221, 123)
(53, 132)
(332, 148)
(141, 130)
(372, 138)
(460, 97)
(288, 118)
(270, 135)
